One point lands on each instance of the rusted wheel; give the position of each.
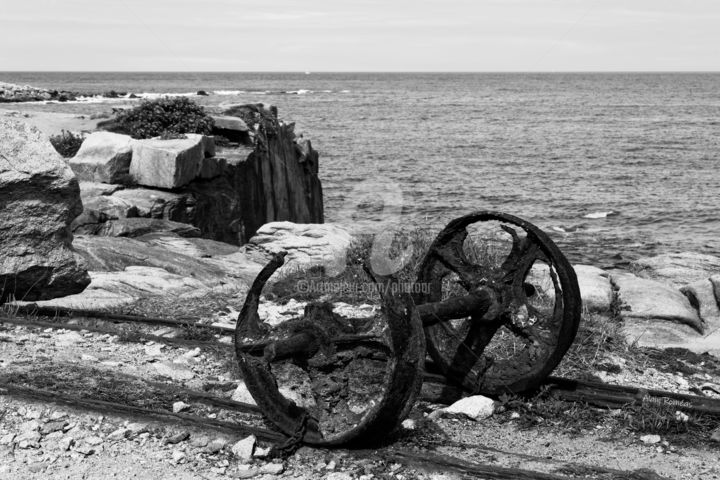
(515, 345)
(327, 379)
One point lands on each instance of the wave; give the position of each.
(596, 215)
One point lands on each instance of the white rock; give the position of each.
(476, 407)
(154, 350)
(272, 468)
(173, 371)
(68, 339)
(678, 269)
(179, 407)
(244, 448)
(242, 394)
(650, 439)
(168, 163)
(409, 424)
(595, 287)
(649, 299)
(227, 122)
(178, 456)
(103, 157)
(307, 245)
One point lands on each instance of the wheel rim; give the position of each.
(366, 406)
(527, 341)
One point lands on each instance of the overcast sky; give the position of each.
(370, 35)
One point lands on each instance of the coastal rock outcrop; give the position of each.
(596, 290)
(642, 298)
(103, 157)
(124, 270)
(39, 198)
(10, 92)
(306, 244)
(678, 268)
(226, 192)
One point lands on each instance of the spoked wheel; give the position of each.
(514, 345)
(327, 379)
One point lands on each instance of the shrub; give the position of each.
(67, 143)
(165, 116)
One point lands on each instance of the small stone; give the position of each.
(137, 428)
(261, 452)
(33, 414)
(650, 439)
(681, 417)
(31, 426)
(7, 439)
(331, 465)
(514, 415)
(118, 434)
(715, 436)
(177, 438)
(180, 406)
(178, 456)
(86, 450)
(272, 468)
(68, 339)
(216, 445)
(409, 424)
(245, 473)
(28, 440)
(244, 448)
(199, 442)
(173, 371)
(154, 350)
(88, 358)
(338, 476)
(242, 394)
(65, 444)
(476, 407)
(51, 427)
(37, 467)
(94, 441)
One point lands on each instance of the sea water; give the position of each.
(612, 165)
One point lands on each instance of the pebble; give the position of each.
(244, 448)
(409, 424)
(65, 444)
(650, 439)
(715, 436)
(154, 350)
(177, 438)
(338, 476)
(94, 441)
(200, 441)
(7, 439)
(476, 407)
(272, 468)
(242, 394)
(173, 371)
(216, 445)
(178, 456)
(28, 440)
(51, 427)
(179, 407)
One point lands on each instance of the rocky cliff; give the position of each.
(226, 191)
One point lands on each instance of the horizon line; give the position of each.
(310, 72)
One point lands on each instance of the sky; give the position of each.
(369, 35)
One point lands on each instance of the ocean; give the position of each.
(612, 165)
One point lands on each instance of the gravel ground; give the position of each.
(41, 440)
